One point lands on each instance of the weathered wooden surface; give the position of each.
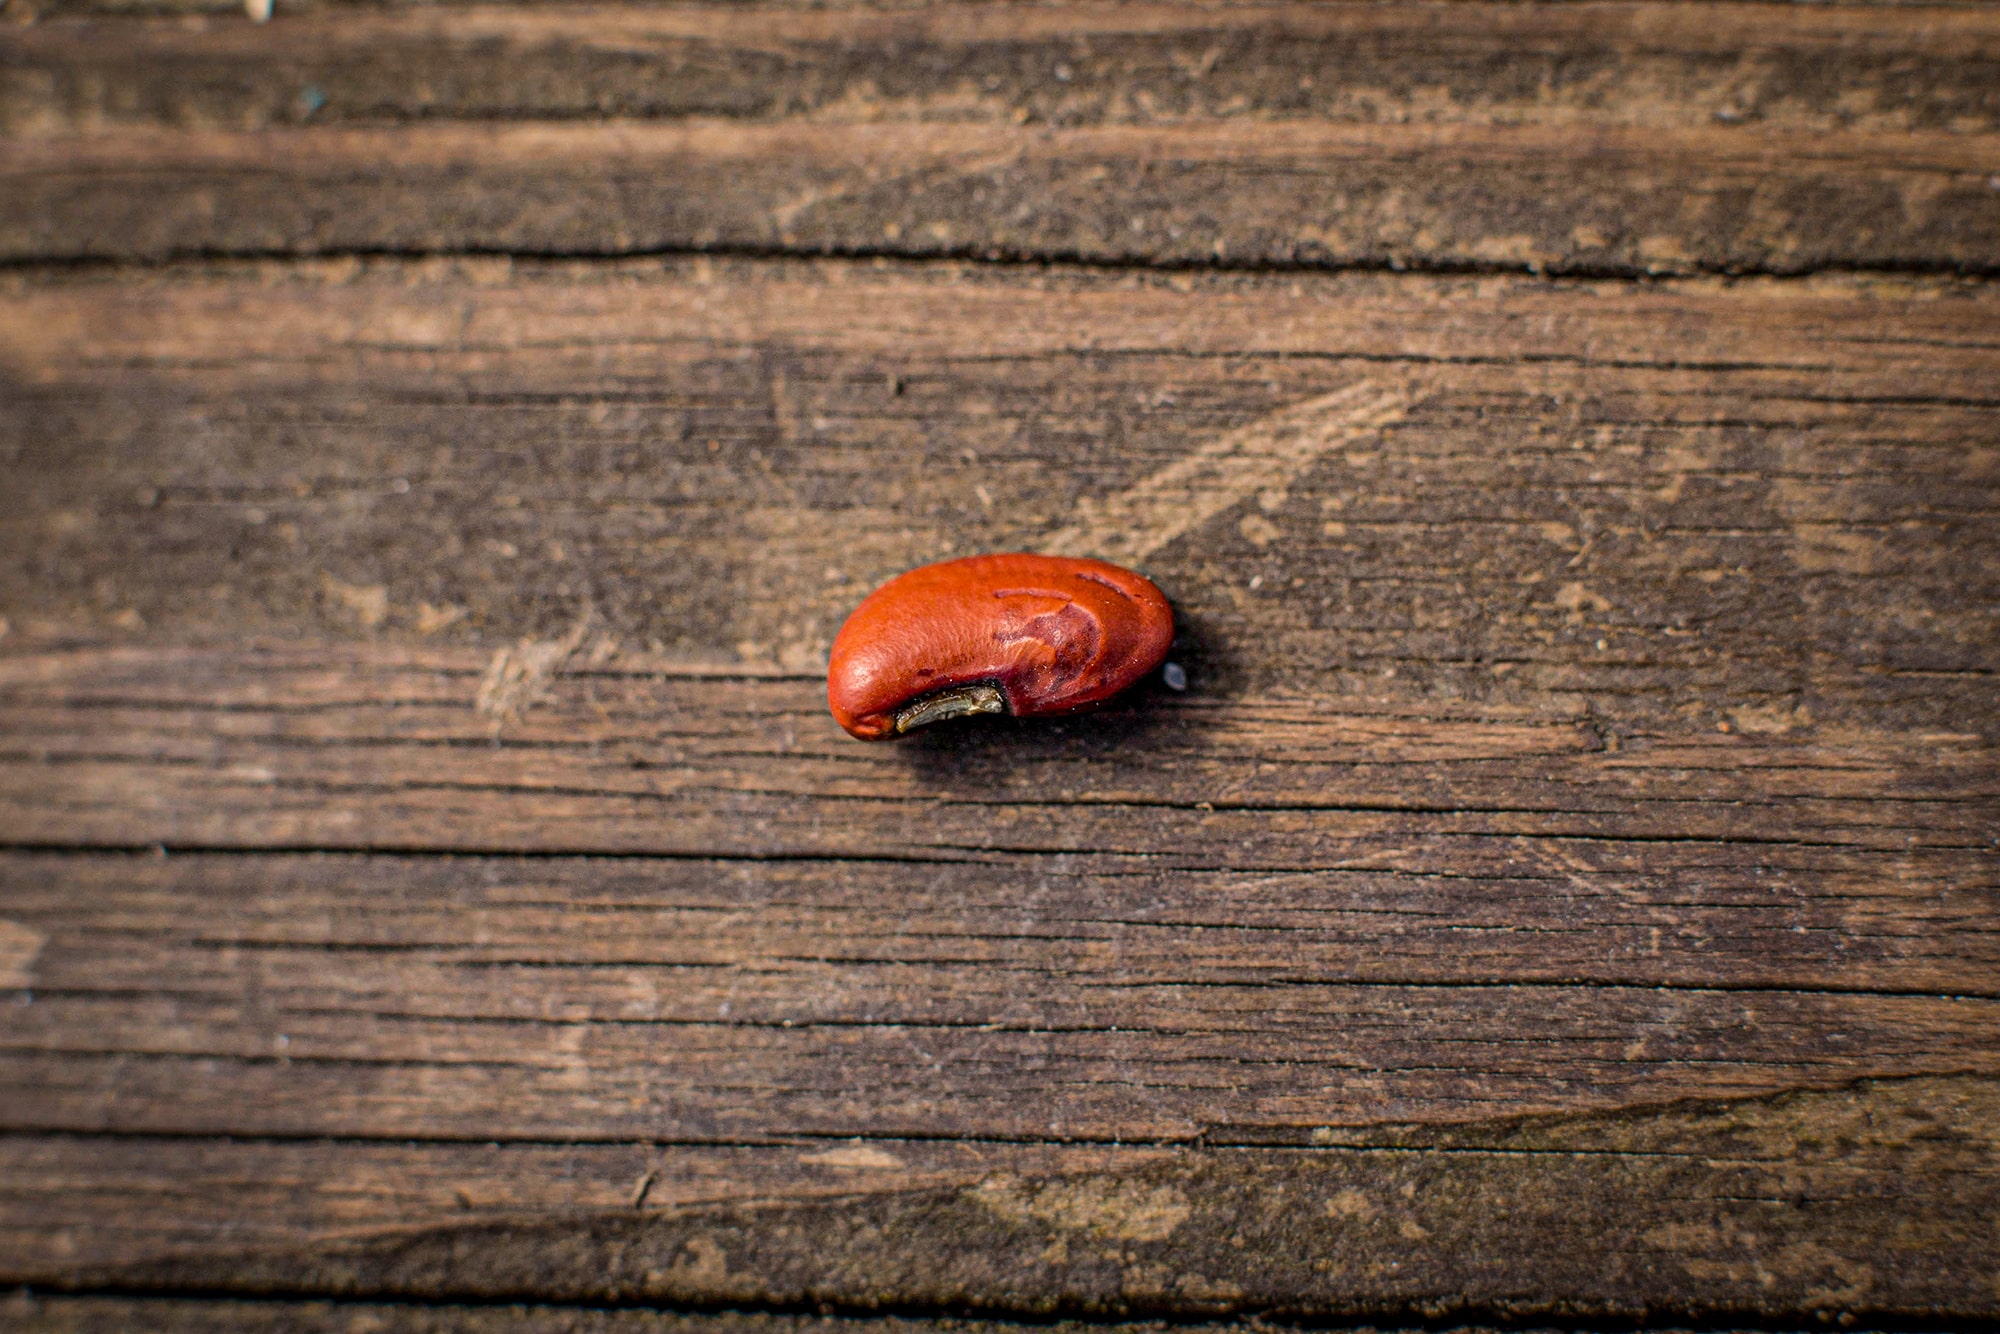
(44, 1314)
(1761, 495)
(1603, 138)
(430, 875)
(1753, 1210)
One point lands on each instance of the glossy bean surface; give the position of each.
(1013, 633)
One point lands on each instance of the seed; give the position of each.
(1015, 633)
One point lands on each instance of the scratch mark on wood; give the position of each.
(519, 677)
(1264, 455)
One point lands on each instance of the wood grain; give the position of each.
(1598, 138)
(429, 878)
(627, 1004)
(1835, 1203)
(1749, 505)
(1402, 868)
(40, 1313)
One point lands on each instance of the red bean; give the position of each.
(1015, 633)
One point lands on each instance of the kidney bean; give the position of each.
(1014, 633)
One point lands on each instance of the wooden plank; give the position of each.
(704, 1001)
(1839, 1203)
(1772, 505)
(40, 1313)
(1599, 138)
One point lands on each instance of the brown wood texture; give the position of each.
(36, 1313)
(430, 879)
(43, 1314)
(1591, 138)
